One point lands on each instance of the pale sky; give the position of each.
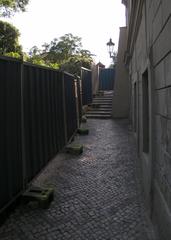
(93, 20)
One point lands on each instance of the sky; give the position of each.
(93, 20)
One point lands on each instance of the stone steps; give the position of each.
(102, 103)
(101, 107)
(100, 112)
(105, 99)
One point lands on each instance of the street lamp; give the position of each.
(110, 46)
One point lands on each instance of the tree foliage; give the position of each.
(66, 51)
(74, 63)
(8, 7)
(9, 38)
(13, 55)
(63, 48)
(37, 58)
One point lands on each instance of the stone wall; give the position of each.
(149, 62)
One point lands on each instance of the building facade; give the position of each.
(121, 93)
(148, 61)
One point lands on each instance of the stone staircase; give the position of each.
(101, 107)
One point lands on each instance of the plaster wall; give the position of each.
(152, 53)
(121, 92)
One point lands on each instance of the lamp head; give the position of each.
(110, 46)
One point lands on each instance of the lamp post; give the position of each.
(110, 46)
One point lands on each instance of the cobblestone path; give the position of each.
(97, 194)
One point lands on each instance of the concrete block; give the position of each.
(83, 131)
(43, 196)
(159, 75)
(161, 100)
(75, 149)
(167, 69)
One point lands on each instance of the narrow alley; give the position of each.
(97, 194)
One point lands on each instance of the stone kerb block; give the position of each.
(83, 131)
(74, 149)
(43, 196)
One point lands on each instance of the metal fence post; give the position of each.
(76, 102)
(23, 150)
(64, 107)
(79, 99)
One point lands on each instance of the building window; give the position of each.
(145, 111)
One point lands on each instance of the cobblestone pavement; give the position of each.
(97, 194)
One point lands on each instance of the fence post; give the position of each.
(64, 107)
(79, 99)
(23, 150)
(77, 103)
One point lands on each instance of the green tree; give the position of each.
(62, 49)
(75, 62)
(8, 7)
(34, 51)
(9, 38)
(13, 55)
(65, 52)
(59, 50)
(36, 57)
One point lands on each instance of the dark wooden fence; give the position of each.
(11, 166)
(44, 125)
(39, 112)
(86, 77)
(70, 105)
